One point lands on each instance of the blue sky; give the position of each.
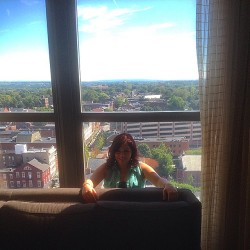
(118, 39)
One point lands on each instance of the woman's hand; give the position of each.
(170, 193)
(88, 192)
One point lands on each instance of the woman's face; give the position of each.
(123, 154)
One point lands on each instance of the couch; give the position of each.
(121, 219)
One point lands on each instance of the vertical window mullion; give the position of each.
(65, 80)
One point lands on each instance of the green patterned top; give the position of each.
(135, 177)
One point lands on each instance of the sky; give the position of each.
(118, 39)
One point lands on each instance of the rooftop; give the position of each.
(192, 162)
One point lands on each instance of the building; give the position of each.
(28, 136)
(91, 106)
(188, 130)
(32, 174)
(45, 155)
(45, 101)
(8, 159)
(190, 172)
(12, 163)
(178, 146)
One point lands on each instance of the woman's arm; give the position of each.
(169, 191)
(88, 187)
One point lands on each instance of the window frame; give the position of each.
(66, 85)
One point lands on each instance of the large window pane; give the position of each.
(138, 55)
(28, 155)
(24, 59)
(182, 140)
(28, 151)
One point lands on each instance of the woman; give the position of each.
(123, 169)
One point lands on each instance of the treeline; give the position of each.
(182, 96)
(28, 98)
(173, 97)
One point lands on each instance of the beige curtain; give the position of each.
(223, 52)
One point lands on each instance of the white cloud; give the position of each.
(161, 26)
(138, 51)
(156, 57)
(99, 19)
(86, 13)
(25, 65)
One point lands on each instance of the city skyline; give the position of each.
(117, 40)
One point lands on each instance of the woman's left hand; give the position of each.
(170, 193)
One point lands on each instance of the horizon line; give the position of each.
(126, 79)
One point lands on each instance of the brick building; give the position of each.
(24, 167)
(177, 145)
(32, 174)
(190, 171)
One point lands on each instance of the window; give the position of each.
(68, 113)
(30, 183)
(25, 82)
(129, 41)
(27, 167)
(24, 57)
(17, 175)
(116, 36)
(38, 175)
(30, 175)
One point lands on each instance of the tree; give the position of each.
(164, 157)
(95, 151)
(182, 92)
(144, 150)
(90, 95)
(86, 156)
(103, 97)
(108, 110)
(195, 151)
(190, 179)
(176, 103)
(146, 108)
(100, 141)
(118, 102)
(44, 109)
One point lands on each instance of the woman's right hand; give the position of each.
(88, 192)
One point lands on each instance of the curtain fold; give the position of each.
(223, 54)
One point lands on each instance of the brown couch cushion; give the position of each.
(121, 219)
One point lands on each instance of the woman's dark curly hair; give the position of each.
(118, 141)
